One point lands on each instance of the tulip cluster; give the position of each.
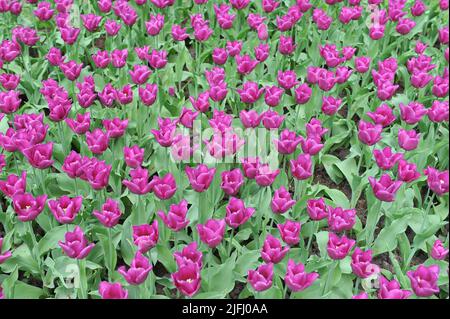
(289, 145)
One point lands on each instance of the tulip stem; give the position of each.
(16, 160)
(316, 229)
(111, 248)
(326, 287)
(230, 244)
(82, 289)
(355, 289)
(285, 292)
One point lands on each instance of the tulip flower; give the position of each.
(76, 245)
(424, 280)
(176, 216)
(133, 156)
(281, 201)
(212, 232)
(39, 155)
(437, 180)
(383, 115)
(163, 188)
(290, 232)
(139, 183)
(296, 278)
(408, 140)
(369, 133)
(28, 207)
(138, 271)
(339, 247)
(261, 278)
(109, 214)
(362, 295)
(65, 209)
(14, 184)
(407, 172)
(287, 143)
(232, 181)
(146, 236)
(265, 176)
(438, 251)
(385, 188)
(236, 213)
(112, 291)
(340, 219)
(385, 159)
(362, 263)
(200, 177)
(189, 254)
(301, 167)
(272, 251)
(187, 279)
(391, 290)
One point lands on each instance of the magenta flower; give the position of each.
(408, 140)
(28, 207)
(362, 263)
(290, 232)
(232, 181)
(146, 236)
(296, 278)
(438, 251)
(176, 216)
(212, 232)
(272, 251)
(236, 212)
(112, 291)
(200, 177)
(339, 247)
(317, 209)
(424, 280)
(138, 271)
(301, 168)
(340, 219)
(407, 172)
(437, 180)
(250, 119)
(385, 159)
(140, 74)
(303, 93)
(163, 188)
(391, 290)
(189, 254)
(187, 279)
(383, 115)
(250, 92)
(97, 141)
(385, 188)
(39, 155)
(76, 245)
(65, 209)
(281, 201)
(110, 213)
(261, 278)
(287, 143)
(139, 183)
(81, 124)
(133, 156)
(369, 133)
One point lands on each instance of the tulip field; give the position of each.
(227, 149)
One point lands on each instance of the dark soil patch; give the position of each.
(238, 287)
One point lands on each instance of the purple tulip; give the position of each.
(138, 271)
(76, 245)
(296, 278)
